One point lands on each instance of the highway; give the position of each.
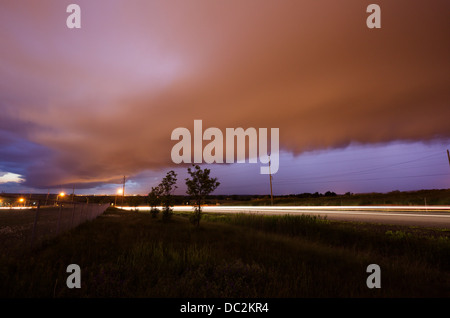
(425, 216)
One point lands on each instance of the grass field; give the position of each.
(129, 254)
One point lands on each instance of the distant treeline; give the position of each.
(421, 197)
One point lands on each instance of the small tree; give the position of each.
(154, 199)
(198, 187)
(167, 186)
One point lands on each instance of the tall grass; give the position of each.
(431, 249)
(128, 254)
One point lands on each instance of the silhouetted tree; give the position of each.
(198, 187)
(167, 186)
(154, 199)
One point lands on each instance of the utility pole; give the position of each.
(123, 190)
(46, 199)
(270, 178)
(36, 218)
(448, 155)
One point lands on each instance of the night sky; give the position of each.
(358, 109)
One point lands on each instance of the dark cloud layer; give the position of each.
(104, 100)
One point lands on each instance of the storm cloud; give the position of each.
(101, 102)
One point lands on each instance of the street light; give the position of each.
(119, 191)
(22, 200)
(61, 194)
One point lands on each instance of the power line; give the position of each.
(270, 175)
(365, 171)
(338, 176)
(365, 179)
(312, 159)
(123, 190)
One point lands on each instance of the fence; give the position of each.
(28, 227)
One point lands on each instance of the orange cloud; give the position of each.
(106, 98)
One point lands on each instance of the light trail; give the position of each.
(435, 216)
(210, 208)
